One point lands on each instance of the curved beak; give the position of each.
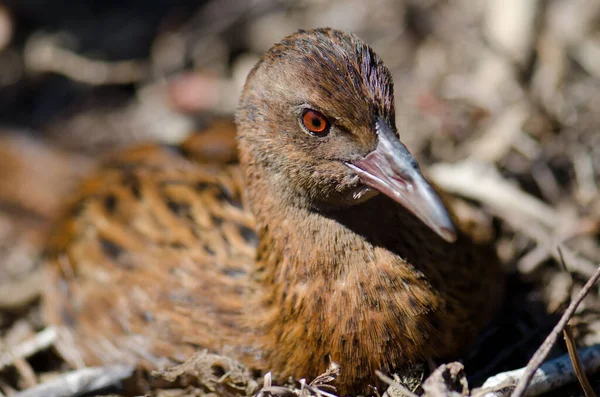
(392, 170)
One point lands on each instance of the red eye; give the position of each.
(315, 122)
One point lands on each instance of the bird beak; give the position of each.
(392, 170)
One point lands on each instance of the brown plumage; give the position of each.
(291, 259)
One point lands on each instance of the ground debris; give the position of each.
(211, 374)
(448, 380)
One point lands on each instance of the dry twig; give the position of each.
(39, 342)
(80, 382)
(550, 376)
(269, 390)
(312, 390)
(480, 181)
(576, 361)
(43, 53)
(544, 349)
(395, 389)
(543, 238)
(553, 246)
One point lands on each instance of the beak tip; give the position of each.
(390, 168)
(448, 234)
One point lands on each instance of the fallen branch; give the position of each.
(83, 381)
(551, 375)
(543, 351)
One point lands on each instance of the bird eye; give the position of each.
(315, 122)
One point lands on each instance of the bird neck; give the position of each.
(297, 241)
(328, 279)
(299, 245)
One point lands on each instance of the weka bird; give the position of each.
(325, 243)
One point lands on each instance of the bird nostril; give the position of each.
(402, 182)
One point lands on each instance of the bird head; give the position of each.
(316, 121)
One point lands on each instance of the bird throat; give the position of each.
(327, 292)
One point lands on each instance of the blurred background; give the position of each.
(498, 99)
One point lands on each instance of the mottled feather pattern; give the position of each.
(171, 239)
